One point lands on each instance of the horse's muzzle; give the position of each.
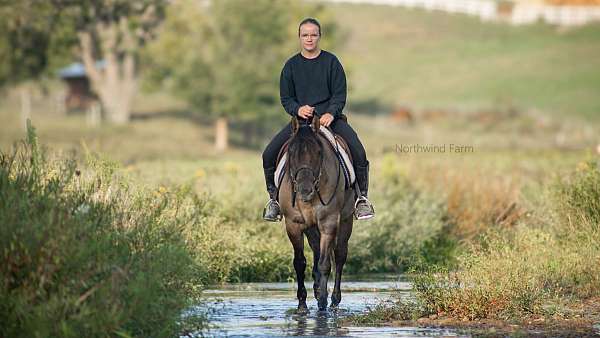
(306, 195)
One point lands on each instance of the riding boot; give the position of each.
(363, 209)
(272, 211)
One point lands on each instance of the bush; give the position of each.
(410, 229)
(85, 255)
(515, 274)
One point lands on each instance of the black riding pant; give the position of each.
(339, 126)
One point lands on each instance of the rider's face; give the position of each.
(309, 37)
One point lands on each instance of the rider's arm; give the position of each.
(287, 93)
(338, 89)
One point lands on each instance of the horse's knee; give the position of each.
(300, 263)
(324, 267)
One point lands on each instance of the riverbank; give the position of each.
(583, 320)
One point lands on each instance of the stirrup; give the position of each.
(278, 217)
(372, 210)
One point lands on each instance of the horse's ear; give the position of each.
(316, 124)
(295, 125)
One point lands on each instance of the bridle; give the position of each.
(312, 171)
(317, 180)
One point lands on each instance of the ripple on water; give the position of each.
(268, 310)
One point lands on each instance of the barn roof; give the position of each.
(77, 69)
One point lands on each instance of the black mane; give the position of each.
(304, 140)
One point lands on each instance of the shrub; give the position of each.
(85, 255)
(515, 274)
(410, 228)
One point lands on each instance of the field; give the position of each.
(522, 101)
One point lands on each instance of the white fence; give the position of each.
(487, 10)
(555, 15)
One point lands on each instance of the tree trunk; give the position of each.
(25, 106)
(116, 84)
(221, 134)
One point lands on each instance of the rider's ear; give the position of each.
(316, 124)
(295, 125)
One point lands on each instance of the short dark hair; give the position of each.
(310, 20)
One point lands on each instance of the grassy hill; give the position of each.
(395, 57)
(425, 59)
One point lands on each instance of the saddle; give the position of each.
(340, 148)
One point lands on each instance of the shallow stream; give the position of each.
(268, 310)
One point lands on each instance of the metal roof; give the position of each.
(77, 69)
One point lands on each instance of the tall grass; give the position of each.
(84, 254)
(411, 228)
(550, 259)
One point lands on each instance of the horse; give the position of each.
(315, 202)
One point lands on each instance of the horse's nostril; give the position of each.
(305, 191)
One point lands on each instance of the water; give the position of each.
(268, 310)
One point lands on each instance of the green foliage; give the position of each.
(410, 228)
(390, 310)
(579, 195)
(83, 255)
(225, 58)
(34, 40)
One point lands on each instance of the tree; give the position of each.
(109, 30)
(27, 48)
(224, 57)
(114, 31)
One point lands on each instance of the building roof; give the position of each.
(77, 69)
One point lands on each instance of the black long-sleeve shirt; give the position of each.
(318, 82)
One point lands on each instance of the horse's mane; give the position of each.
(303, 141)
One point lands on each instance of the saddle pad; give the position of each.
(341, 153)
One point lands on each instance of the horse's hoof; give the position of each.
(302, 308)
(323, 305)
(335, 301)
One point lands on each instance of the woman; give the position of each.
(313, 85)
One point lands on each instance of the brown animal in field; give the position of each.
(402, 114)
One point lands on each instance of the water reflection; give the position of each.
(269, 310)
(322, 323)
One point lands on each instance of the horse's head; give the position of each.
(305, 153)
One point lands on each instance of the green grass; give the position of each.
(433, 60)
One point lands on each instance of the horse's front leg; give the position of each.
(295, 235)
(327, 230)
(314, 240)
(341, 252)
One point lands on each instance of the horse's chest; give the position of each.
(308, 212)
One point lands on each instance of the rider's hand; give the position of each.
(326, 119)
(305, 111)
